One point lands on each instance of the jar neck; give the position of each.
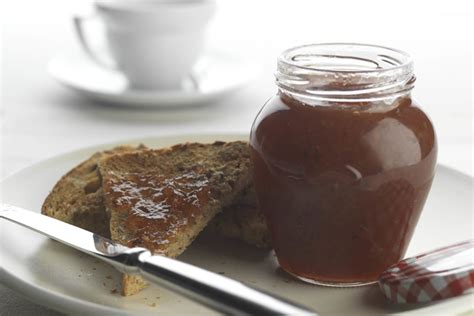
(344, 73)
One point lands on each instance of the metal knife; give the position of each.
(207, 288)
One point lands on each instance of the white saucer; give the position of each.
(215, 75)
(57, 276)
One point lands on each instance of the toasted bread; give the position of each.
(161, 199)
(77, 199)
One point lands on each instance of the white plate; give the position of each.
(77, 72)
(59, 277)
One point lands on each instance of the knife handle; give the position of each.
(215, 291)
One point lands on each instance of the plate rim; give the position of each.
(65, 303)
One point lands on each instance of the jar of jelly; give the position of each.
(343, 161)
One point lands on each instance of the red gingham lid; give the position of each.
(438, 274)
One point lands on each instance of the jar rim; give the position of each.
(287, 56)
(344, 72)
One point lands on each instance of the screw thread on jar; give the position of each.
(344, 72)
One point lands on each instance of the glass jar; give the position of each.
(343, 161)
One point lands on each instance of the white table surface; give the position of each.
(40, 119)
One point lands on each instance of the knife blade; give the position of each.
(207, 288)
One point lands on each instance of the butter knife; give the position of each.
(207, 288)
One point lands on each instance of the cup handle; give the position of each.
(79, 23)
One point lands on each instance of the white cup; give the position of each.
(154, 43)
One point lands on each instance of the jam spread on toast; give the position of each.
(158, 206)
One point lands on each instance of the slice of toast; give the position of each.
(77, 198)
(161, 199)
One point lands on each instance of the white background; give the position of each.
(40, 119)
